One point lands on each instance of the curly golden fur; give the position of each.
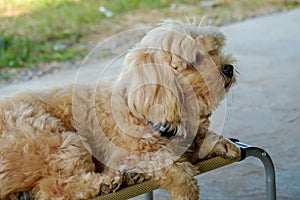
(69, 142)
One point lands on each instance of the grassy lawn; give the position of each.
(44, 30)
(41, 31)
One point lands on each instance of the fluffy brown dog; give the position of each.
(153, 119)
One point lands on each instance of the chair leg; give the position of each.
(269, 169)
(148, 196)
(261, 154)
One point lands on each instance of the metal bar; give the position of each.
(269, 169)
(148, 196)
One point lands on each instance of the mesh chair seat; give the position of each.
(204, 166)
(148, 186)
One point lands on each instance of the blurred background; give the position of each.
(39, 37)
(43, 43)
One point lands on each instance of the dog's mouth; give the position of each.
(228, 82)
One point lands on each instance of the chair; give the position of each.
(147, 187)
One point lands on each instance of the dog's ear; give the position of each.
(212, 40)
(152, 90)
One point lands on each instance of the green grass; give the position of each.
(35, 31)
(46, 30)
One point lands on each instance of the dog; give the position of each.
(151, 122)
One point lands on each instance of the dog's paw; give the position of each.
(132, 178)
(225, 148)
(110, 184)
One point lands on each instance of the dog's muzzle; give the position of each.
(227, 72)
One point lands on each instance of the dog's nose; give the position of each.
(227, 70)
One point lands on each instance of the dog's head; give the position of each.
(177, 73)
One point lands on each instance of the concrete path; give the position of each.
(263, 110)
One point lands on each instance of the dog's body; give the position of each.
(69, 142)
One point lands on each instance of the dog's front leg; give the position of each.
(178, 180)
(176, 177)
(212, 144)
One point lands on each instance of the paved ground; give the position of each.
(263, 109)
